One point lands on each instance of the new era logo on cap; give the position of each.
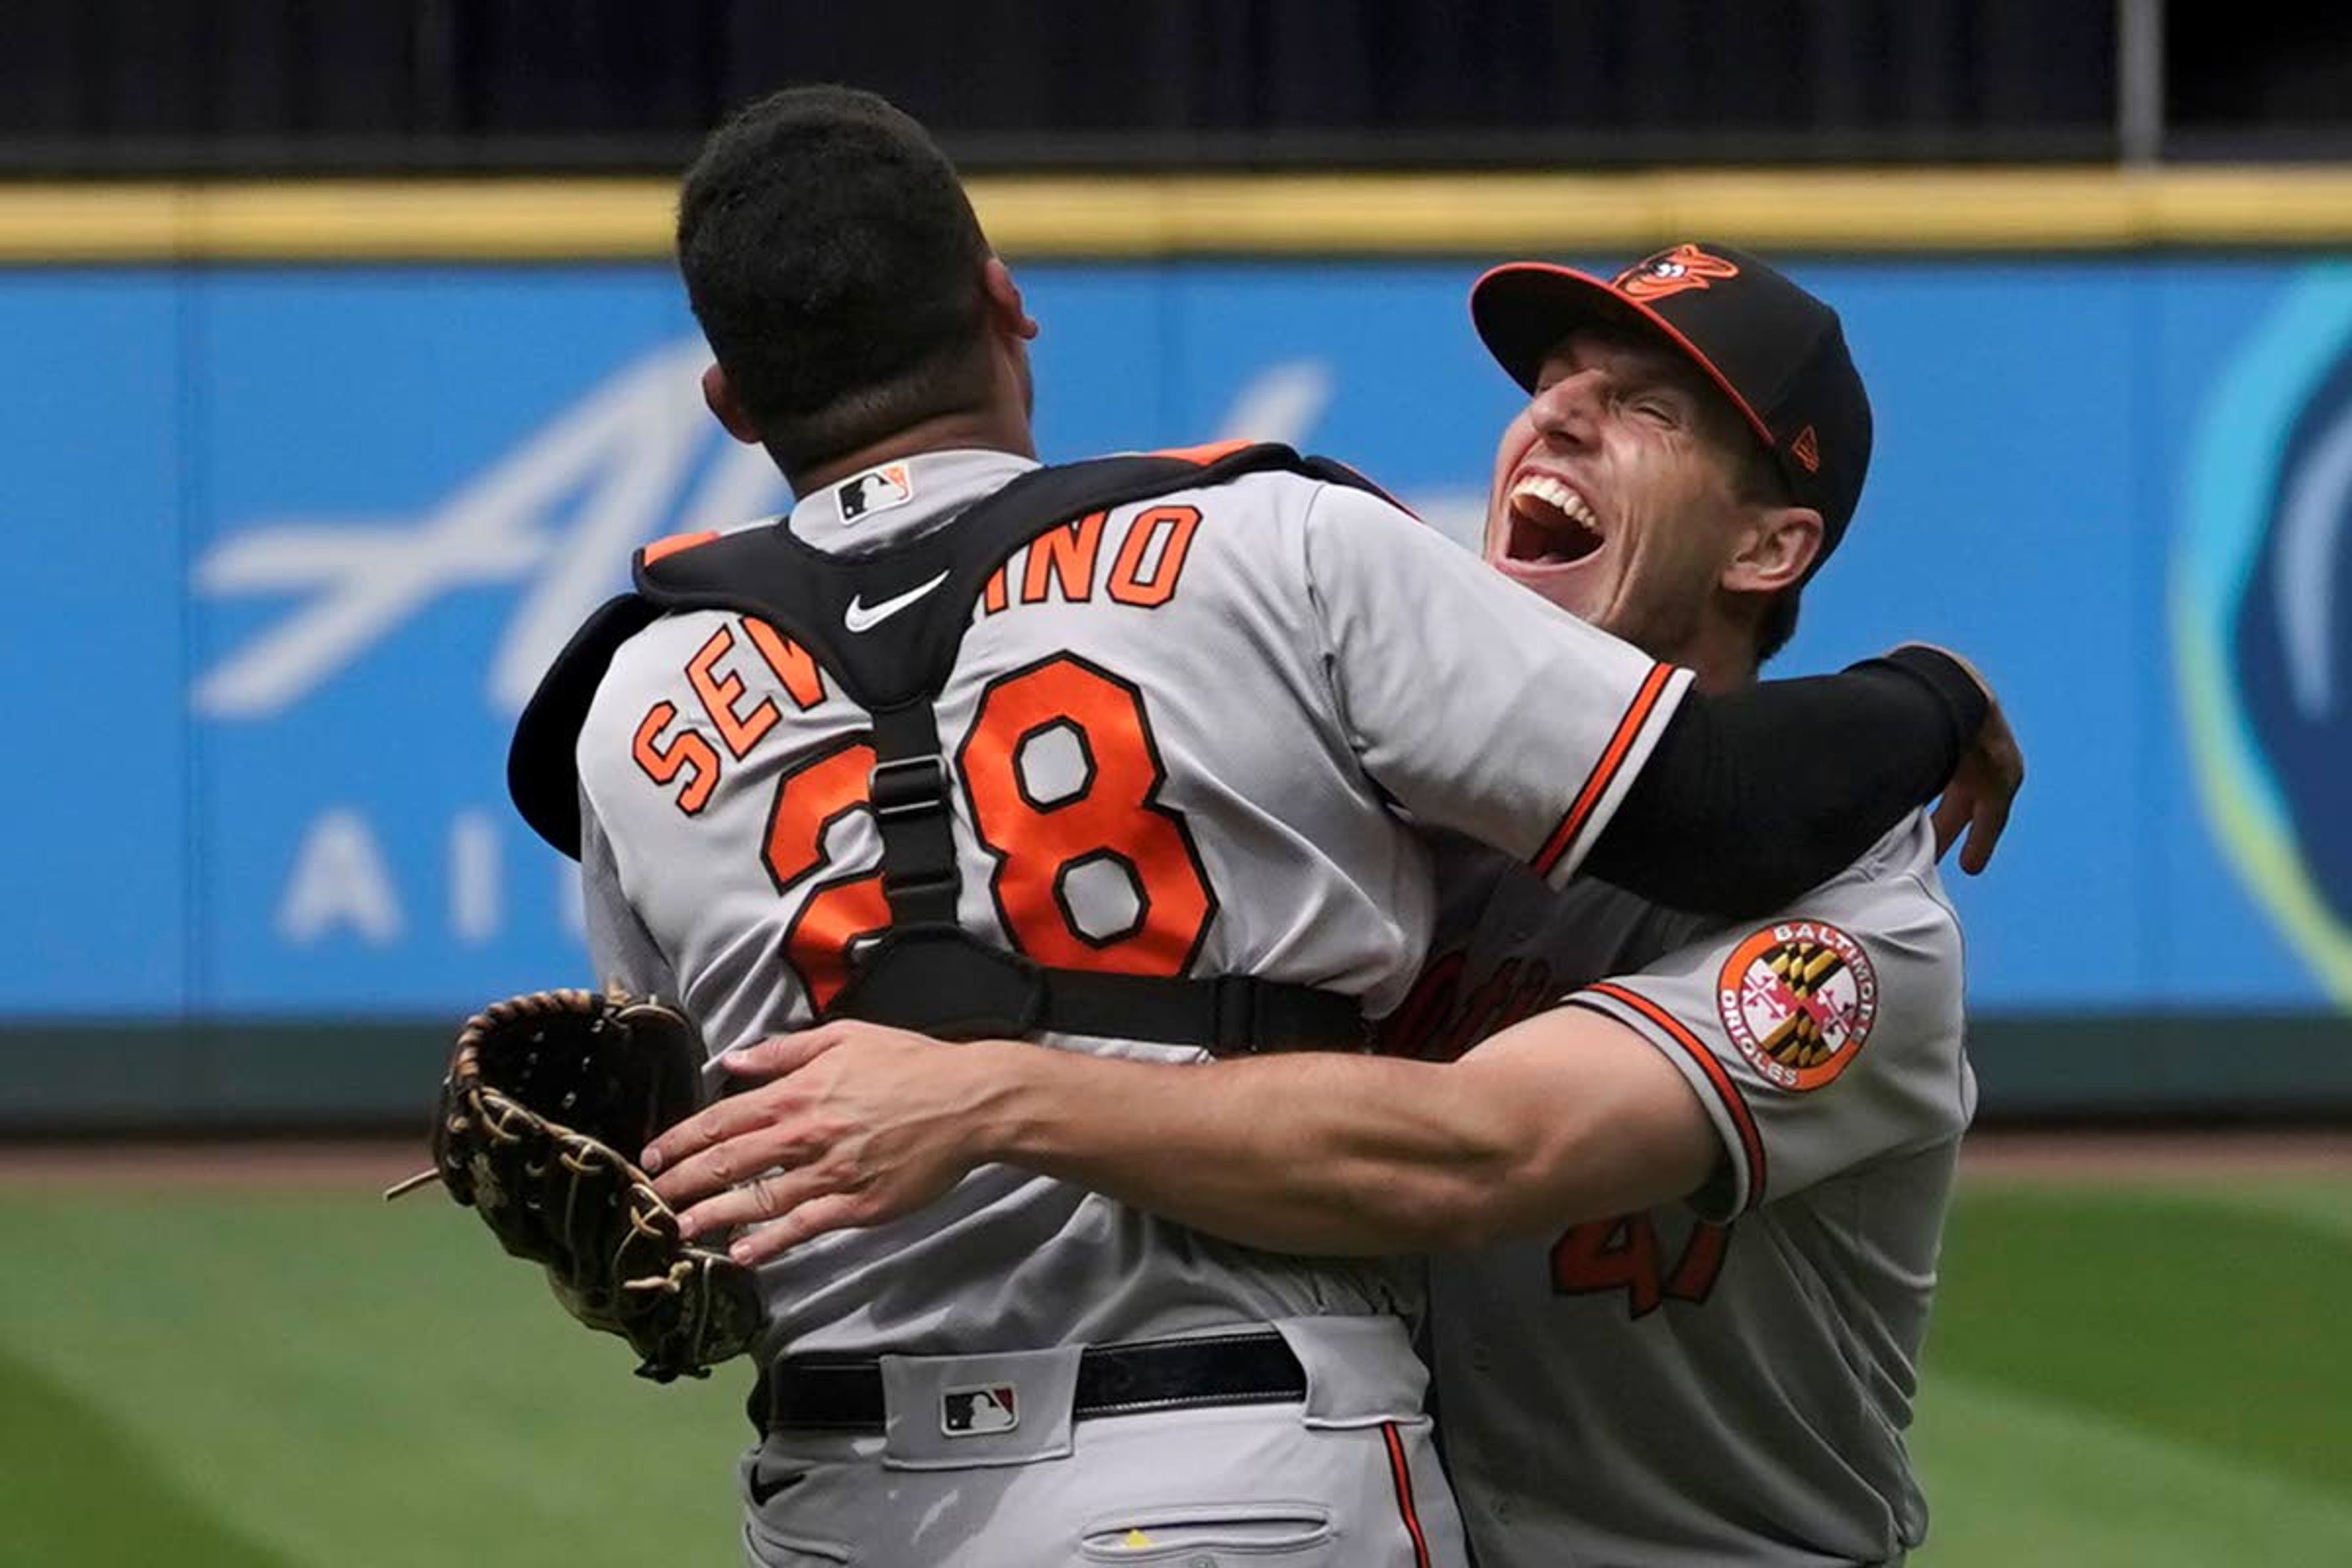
(1807, 449)
(875, 489)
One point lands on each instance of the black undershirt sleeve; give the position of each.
(1753, 797)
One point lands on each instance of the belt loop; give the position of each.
(760, 1406)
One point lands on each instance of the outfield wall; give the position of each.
(301, 525)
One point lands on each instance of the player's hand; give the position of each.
(1984, 786)
(853, 1124)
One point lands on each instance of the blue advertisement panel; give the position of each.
(94, 664)
(301, 540)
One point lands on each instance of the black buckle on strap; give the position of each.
(933, 977)
(896, 887)
(908, 786)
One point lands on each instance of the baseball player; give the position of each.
(1686, 1225)
(1116, 758)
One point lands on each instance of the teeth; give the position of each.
(1551, 492)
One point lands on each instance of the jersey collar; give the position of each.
(897, 501)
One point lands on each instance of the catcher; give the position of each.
(544, 1093)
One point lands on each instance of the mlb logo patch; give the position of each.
(976, 1412)
(875, 489)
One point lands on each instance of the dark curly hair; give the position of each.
(836, 265)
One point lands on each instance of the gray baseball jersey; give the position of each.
(1725, 1379)
(1180, 730)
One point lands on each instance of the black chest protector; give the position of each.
(924, 971)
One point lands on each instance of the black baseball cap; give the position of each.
(1778, 352)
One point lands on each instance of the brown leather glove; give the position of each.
(549, 1097)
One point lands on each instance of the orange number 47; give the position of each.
(1623, 1253)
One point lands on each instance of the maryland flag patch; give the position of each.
(1799, 999)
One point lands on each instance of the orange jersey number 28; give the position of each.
(810, 799)
(1063, 781)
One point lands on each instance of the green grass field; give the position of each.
(2128, 1373)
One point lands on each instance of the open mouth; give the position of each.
(1551, 525)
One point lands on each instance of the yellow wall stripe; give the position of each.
(1152, 215)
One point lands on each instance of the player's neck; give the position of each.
(1722, 655)
(988, 429)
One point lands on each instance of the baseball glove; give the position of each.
(549, 1097)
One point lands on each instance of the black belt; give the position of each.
(844, 1394)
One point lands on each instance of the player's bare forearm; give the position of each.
(1299, 1153)
(1567, 1116)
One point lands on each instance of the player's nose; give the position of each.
(1569, 408)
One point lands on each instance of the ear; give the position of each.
(1005, 311)
(719, 395)
(1777, 551)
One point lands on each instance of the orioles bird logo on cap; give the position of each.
(1671, 272)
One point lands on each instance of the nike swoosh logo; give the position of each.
(863, 618)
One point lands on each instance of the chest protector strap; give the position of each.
(887, 625)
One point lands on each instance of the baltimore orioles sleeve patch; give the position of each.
(1799, 999)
